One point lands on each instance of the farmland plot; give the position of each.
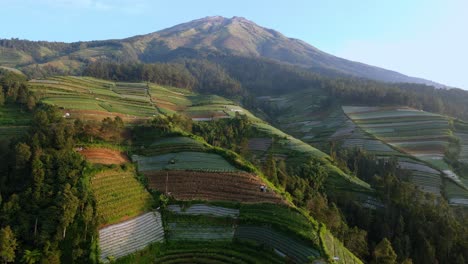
(421, 134)
(185, 185)
(13, 122)
(204, 209)
(463, 157)
(119, 195)
(180, 231)
(85, 94)
(130, 236)
(207, 252)
(194, 161)
(104, 156)
(295, 249)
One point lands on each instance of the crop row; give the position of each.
(130, 236)
(119, 194)
(294, 249)
(216, 252)
(184, 185)
(183, 161)
(203, 209)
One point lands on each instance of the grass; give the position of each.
(119, 196)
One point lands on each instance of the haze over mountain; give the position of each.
(235, 36)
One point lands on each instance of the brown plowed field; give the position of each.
(104, 156)
(187, 185)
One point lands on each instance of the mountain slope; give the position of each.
(236, 36)
(239, 36)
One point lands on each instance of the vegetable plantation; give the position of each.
(119, 195)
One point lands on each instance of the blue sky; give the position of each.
(423, 38)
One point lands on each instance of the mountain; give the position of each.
(235, 36)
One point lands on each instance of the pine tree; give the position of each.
(7, 245)
(384, 253)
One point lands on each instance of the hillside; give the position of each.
(159, 172)
(211, 35)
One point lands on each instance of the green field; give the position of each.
(14, 121)
(171, 145)
(282, 218)
(119, 196)
(420, 134)
(194, 161)
(85, 93)
(202, 253)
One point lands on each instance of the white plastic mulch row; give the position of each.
(203, 209)
(127, 237)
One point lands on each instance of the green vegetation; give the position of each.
(75, 93)
(203, 252)
(119, 195)
(282, 218)
(195, 161)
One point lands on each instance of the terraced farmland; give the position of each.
(463, 156)
(187, 231)
(186, 185)
(204, 252)
(169, 100)
(204, 209)
(194, 161)
(259, 144)
(337, 251)
(282, 218)
(456, 195)
(90, 98)
(119, 196)
(14, 121)
(127, 237)
(421, 134)
(170, 145)
(297, 250)
(103, 156)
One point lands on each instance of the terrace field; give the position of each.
(121, 239)
(14, 121)
(119, 196)
(204, 252)
(194, 161)
(103, 155)
(90, 98)
(422, 135)
(186, 185)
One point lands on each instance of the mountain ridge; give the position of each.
(236, 36)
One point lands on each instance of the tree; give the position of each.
(2, 97)
(23, 154)
(7, 245)
(68, 204)
(31, 256)
(384, 253)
